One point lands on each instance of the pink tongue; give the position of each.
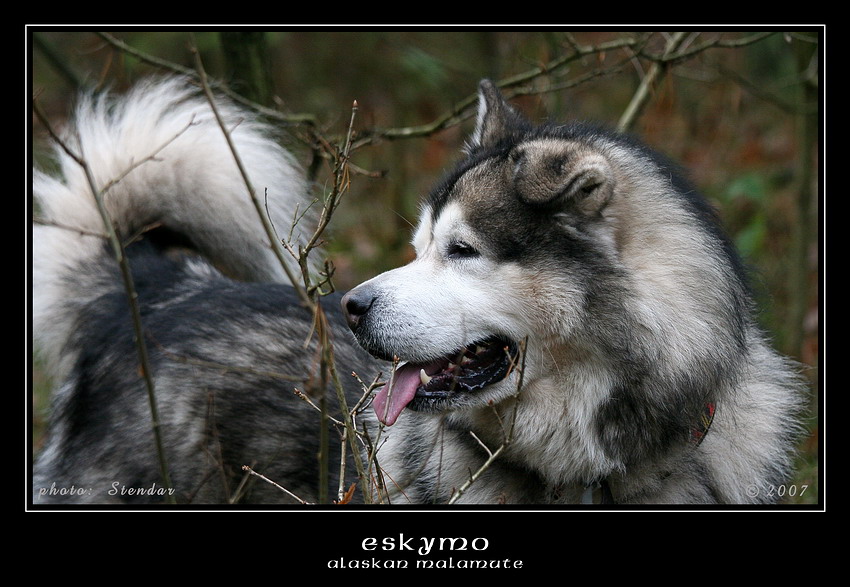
(388, 405)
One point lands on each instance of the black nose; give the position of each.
(356, 303)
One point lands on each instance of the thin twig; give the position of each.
(323, 330)
(251, 471)
(493, 455)
(642, 94)
(258, 205)
(306, 119)
(675, 56)
(83, 231)
(341, 184)
(367, 390)
(675, 51)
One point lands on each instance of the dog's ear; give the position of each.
(497, 120)
(549, 173)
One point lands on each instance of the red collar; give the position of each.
(707, 417)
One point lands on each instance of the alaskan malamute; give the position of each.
(575, 327)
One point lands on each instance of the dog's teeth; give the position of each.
(423, 377)
(466, 360)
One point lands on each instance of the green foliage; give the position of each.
(423, 68)
(750, 192)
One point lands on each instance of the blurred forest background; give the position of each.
(738, 109)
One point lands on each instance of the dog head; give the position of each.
(478, 288)
(546, 238)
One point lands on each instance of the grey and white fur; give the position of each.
(573, 304)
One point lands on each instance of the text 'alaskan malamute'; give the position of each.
(575, 327)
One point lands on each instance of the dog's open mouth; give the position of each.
(466, 370)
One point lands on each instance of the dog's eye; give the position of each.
(461, 250)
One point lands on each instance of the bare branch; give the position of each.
(484, 446)
(641, 96)
(172, 67)
(270, 233)
(251, 471)
(716, 43)
(45, 222)
(508, 433)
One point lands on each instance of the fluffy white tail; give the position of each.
(159, 157)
